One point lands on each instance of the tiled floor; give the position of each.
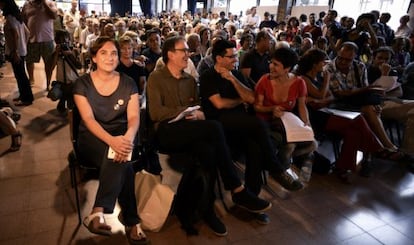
(37, 202)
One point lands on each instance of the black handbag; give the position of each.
(355, 102)
(56, 92)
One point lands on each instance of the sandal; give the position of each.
(394, 155)
(140, 238)
(100, 227)
(16, 142)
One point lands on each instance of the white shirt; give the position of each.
(252, 20)
(71, 21)
(13, 24)
(39, 23)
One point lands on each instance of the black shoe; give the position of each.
(262, 218)
(366, 169)
(23, 103)
(287, 181)
(252, 203)
(215, 224)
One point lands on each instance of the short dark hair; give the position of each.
(219, 48)
(349, 45)
(382, 50)
(286, 56)
(169, 45)
(309, 58)
(244, 37)
(262, 35)
(98, 44)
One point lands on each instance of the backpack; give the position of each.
(195, 197)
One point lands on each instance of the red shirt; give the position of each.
(264, 87)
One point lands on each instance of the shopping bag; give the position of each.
(154, 200)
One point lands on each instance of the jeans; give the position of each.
(23, 82)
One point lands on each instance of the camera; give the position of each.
(64, 46)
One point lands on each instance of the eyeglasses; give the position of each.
(343, 59)
(185, 50)
(233, 56)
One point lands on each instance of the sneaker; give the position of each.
(215, 224)
(245, 199)
(366, 169)
(288, 181)
(262, 218)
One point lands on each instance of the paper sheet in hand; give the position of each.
(111, 154)
(185, 113)
(296, 131)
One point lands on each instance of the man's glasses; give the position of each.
(343, 59)
(185, 50)
(233, 56)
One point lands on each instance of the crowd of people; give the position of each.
(244, 72)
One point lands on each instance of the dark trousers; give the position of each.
(116, 180)
(67, 97)
(250, 135)
(205, 140)
(23, 82)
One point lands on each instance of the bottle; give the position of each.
(306, 172)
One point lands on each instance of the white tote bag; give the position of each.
(154, 200)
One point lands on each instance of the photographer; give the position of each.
(66, 70)
(363, 35)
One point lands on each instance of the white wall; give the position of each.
(298, 10)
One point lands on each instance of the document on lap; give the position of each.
(388, 83)
(185, 113)
(340, 113)
(296, 130)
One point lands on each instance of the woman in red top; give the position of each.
(281, 91)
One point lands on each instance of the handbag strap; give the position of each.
(64, 69)
(70, 65)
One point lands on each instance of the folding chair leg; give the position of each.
(74, 183)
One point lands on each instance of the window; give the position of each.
(269, 2)
(221, 3)
(237, 6)
(312, 3)
(353, 8)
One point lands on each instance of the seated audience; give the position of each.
(170, 91)
(355, 133)
(349, 85)
(392, 108)
(225, 97)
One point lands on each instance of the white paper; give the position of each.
(185, 113)
(388, 83)
(345, 114)
(296, 130)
